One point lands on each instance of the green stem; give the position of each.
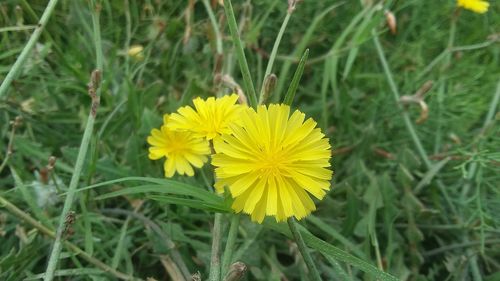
(27, 49)
(72, 247)
(274, 52)
(215, 26)
(216, 241)
(231, 241)
(56, 249)
(240, 53)
(303, 249)
(9, 147)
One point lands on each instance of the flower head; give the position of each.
(478, 6)
(182, 149)
(136, 52)
(272, 162)
(210, 118)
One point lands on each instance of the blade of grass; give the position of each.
(231, 240)
(334, 59)
(301, 46)
(27, 49)
(331, 251)
(293, 225)
(69, 272)
(215, 26)
(82, 152)
(240, 52)
(290, 94)
(274, 52)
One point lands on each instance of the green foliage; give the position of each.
(387, 209)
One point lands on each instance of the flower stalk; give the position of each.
(231, 241)
(215, 267)
(304, 251)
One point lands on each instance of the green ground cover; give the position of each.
(415, 196)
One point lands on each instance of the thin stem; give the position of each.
(215, 269)
(303, 249)
(493, 108)
(96, 12)
(94, 91)
(231, 241)
(459, 246)
(215, 26)
(27, 48)
(377, 251)
(240, 53)
(128, 38)
(9, 145)
(17, 28)
(270, 63)
(43, 229)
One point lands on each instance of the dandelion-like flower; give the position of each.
(182, 149)
(136, 52)
(272, 162)
(210, 118)
(478, 6)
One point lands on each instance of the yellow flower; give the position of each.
(478, 6)
(182, 150)
(135, 51)
(210, 119)
(272, 162)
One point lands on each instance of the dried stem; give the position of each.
(15, 124)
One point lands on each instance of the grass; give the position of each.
(418, 201)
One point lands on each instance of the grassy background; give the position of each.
(387, 207)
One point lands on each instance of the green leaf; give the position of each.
(290, 94)
(204, 199)
(70, 272)
(426, 180)
(219, 207)
(331, 251)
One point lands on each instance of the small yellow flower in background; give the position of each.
(210, 119)
(478, 6)
(272, 162)
(182, 150)
(135, 51)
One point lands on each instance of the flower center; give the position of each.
(272, 162)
